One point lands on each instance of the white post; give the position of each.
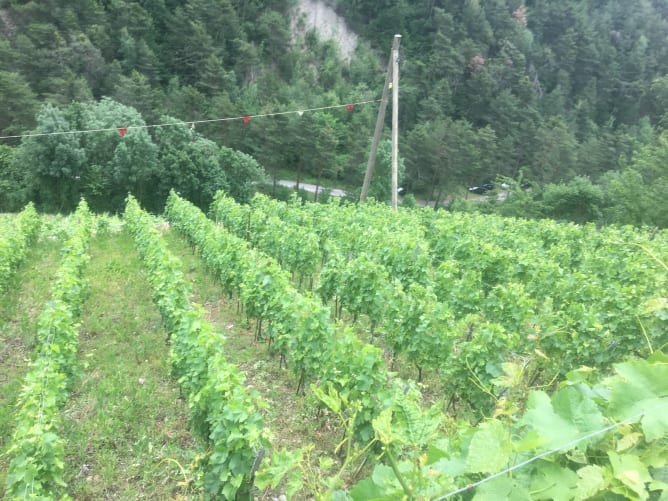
(380, 121)
(395, 121)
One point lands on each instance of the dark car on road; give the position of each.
(482, 189)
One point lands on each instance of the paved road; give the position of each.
(335, 192)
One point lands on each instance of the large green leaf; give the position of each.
(644, 390)
(505, 488)
(368, 490)
(591, 480)
(630, 470)
(553, 430)
(573, 406)
(490, 448)
(567, 416)
(551, 481)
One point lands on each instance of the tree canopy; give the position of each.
(550, 91)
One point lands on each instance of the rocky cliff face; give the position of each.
(315, 14)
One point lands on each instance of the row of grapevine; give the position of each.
(398, 243)
(534, 252)
(222, 411)
(296, 249)
(480, 450)
(577, 295)
(15, 242)
(36, 449)
(415, 324)
(572, 429)
(355, 278)
(298, 326)
(410, 318)
(584, 262)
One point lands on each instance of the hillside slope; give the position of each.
(531, 89)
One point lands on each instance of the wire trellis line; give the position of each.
(551, 451)
(191, 123)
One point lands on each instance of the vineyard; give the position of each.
(326, 351)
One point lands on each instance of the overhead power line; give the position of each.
(191, 123)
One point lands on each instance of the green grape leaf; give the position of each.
(294, 483)
(382, 425)
(644, 390)
(657, 306)
(282, 463)
(572, 405)
(592, 479)
(562, 419)
(490, 448)
(505, 488)
(552, 481)
(330, 398)
(628, 440)
(552, 428)
(630, 470)
(528, 442)
(368, 490)
(384, 477)
(447, 458)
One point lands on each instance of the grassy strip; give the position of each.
(125, 426)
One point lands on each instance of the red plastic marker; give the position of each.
(122, 131)
(350, 107)
(246, 119)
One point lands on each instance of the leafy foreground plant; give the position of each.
(582, 441)
(586, 441)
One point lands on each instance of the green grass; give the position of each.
(125, 423)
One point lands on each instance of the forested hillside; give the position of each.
(571, 95)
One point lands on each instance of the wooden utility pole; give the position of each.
(395, 121)
(380, 121)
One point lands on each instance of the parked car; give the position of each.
(482, 189)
